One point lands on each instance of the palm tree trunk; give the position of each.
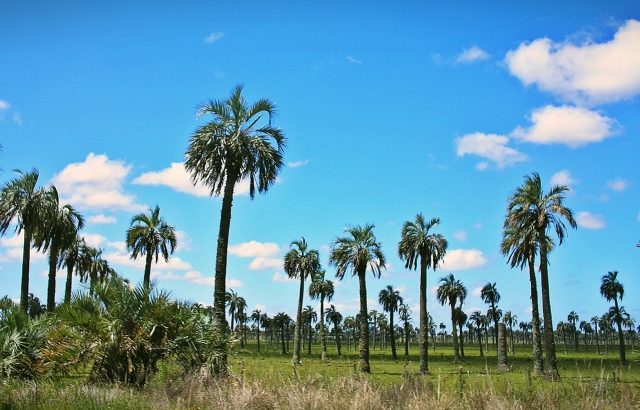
(549, 342)
(480, 342)
(623, 359)
(26, 256)
(422, 337)
(461, 341)
(406, 338)
(220, 281)
(297, 336)
(284, 347)
(538, 367)
(364, 324)
(495, 325)
(146, 282)
(323, 334)
(393, 336)
(51, 283)
(67, 286)
(309, 339)
(258, 335)
(336, 332)
(454, 335)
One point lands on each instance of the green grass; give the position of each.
(268, 380)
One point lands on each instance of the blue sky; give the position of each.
(389, 110)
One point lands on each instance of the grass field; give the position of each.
(269, 380)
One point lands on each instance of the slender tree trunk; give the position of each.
(538, 367)
(623, 359)
(258, 336)
(51, 283)
(364, 324)
(336, 332)
(323, 333)
(146, 282)
(393, 336)
(549, 342)
(422, 336)
(220, 283)
(297, 336)
(67, 286)
(26, 256)
(461, 341)
(480, 342)
(309, 340)
(284, 347)
(406, 338)
(454, 335)
(495, 324)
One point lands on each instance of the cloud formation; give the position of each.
(587, 220)
(563, 177)
(618, 184)
(463, 259)
(591, 73)
(96, 184)
(296, 164)
(214, 37)
(489, 146)
(101, 219)
(472, 55)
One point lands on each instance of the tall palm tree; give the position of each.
(573, 318)
(405, 315)
(478, 320)
(322, 289)
(309, 316)
(355, 252)
(150, 235)
(232, 299)
(595, 321)
(510, 320)
(258, 319)
(520, 246)
(23, 203)
(451, 291)
(335, 318)
(97, 268)
(461, 319)
(490, 295)
(238, 144)
(74, 259)
(532, 210)
(390, 300)
(300, 263)
(419, 244)
(63, 223)
(612, 289)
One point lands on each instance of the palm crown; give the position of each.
(357, 251)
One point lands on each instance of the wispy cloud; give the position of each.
(472, 55)
(587, 220)
(296, 164)
(563, 178)
(4, 105)
(101, 219)
(214, 37)
(618, 184)
(352, 60)
(489, 146)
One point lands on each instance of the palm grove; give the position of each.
(240, 143)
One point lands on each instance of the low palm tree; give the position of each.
(74, 259)
(322, 289)
(405, 315)
(391, 300)
(595, 321)
(510, 320)
(356, 252)
(490, 295)
(300, 263)
(573, 318)
(240, 143)
(97, 269)
(478, 321)
(335, 318)
(309, 316)
(258, 319)
(612, 289)
(151, 236)
(232, 300)
(419, 244)
(461, 319)
(451, 291)
(23, 203)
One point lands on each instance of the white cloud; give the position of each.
(572, 126)
(489, 146)
(4, 105)
(254, 249)
(588, 220)
(213, 37)
(234, 283)
(94, 239)
(482, 166)
(17, 118)
(262, 263)
(102, 219)
(353, 60)
(177, 178)
(124, 259)
(97, 184)
(477, 292)
(563, 177)
(618, 184)
(120, 246)
(13, 249)
(192, 276)
(296, 164)
(460, 235)
(462, 259)
(183, 240)
(472, 55)
(279, 277)
(592, 72)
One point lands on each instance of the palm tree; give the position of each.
(390, 300)
(612, 289)
(573, 318)
(479, 321)
(150, 235)
(309, 316)
(405, 315)
(241, 319)
(510, 320)
(59, 232)
(335, 318)
(258, 318)
(232, 299)
(417, 243)
(450, 291)
(300, 263)
(238, 144)
(490, 295)
(461, 319)
(97, 268)
(74, 259)
(322, 289)
(281, 320)
(594, 321)
(22, 203)
(532, 211)
(355, 252)
(520, 246)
